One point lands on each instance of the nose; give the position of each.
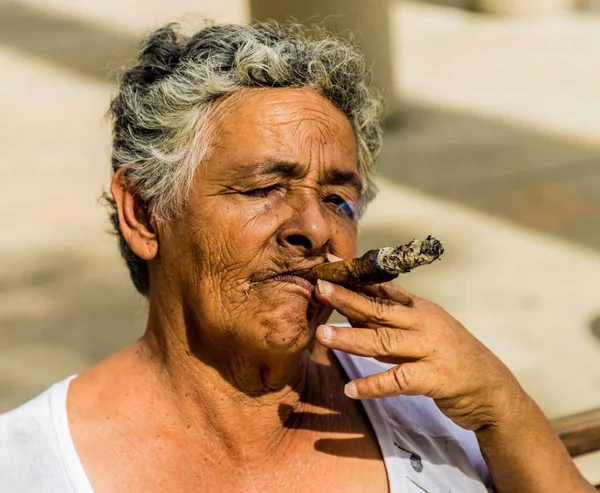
(306, 229)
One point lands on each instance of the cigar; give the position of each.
(381, 265)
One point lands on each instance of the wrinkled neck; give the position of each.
(253, 405)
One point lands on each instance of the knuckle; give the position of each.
(388, 340)
(402, 377)
(379, 314)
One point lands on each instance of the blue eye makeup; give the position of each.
(344, 208)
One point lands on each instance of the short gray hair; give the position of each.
(164, 112)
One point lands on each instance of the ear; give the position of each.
(137, 227)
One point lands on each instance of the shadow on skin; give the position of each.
(334, 405)
(328, 397)
(327, 422)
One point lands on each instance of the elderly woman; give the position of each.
(243, 156)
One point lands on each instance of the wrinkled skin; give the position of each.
(433, 354)
(258, 210)
(228, 376)
(242, 228)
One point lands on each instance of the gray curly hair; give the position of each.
(164, 113)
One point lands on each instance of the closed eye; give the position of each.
(343, 207)
(261, 192)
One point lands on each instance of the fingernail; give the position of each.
(333, 258)
(326, 333)
(350, 390)
(324, 287)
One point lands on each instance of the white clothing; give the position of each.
(37, 454)
(422, 449)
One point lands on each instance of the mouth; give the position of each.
(299, 277)
(295, 278)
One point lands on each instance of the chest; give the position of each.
(330, 463)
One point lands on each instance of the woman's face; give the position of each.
(278, 192)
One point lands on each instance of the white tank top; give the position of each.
(422, 449)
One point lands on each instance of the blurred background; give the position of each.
(492, 145)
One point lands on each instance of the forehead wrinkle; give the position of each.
(314, 132)
(316, 135)
(313, 125)
(310, 140)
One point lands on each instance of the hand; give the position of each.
(434, 354)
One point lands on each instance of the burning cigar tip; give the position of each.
(404, 258)
(382, 265)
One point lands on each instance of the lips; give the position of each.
(296, 275)
(295, 279)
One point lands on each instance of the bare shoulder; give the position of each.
(107, 383)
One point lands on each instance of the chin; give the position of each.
(285, 328)
(287, 331)
(286, 318)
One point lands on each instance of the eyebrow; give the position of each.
(338, 177)
(271, 167)
(289, 169)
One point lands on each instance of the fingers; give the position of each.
(363, 310)
(381, 342)
(387, 310)
(405, 379)
(389, 291)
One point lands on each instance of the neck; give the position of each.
(252, 406)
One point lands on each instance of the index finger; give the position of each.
(362, 309)
(389, 291)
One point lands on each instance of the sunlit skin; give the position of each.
(233, 387)
(279, 193)
(229, 376)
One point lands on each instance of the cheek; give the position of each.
(252, 230)
(239, 223)
(230, 241)
(344, 240)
